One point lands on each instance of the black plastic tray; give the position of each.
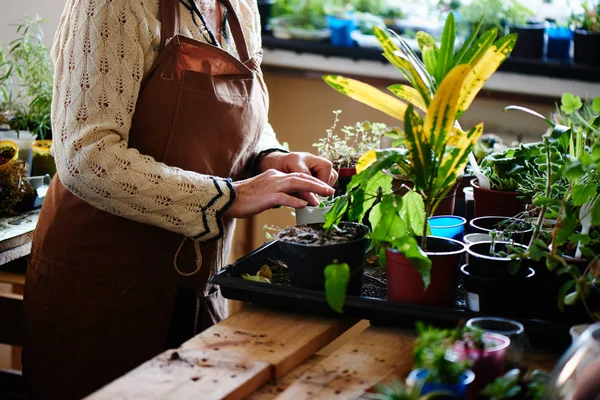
(542, 334)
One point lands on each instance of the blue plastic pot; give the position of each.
(341, 28)
(559, 43)
(448, 226)
(457, 390)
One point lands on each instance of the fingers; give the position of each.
(299, 182)
(321, 167)
(310, 198)
(283, 199)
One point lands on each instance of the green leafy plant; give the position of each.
(443, 86)
(432, 352)
(336, 282)
(399, 391)
(26, 80)
(495, 14)
(569, 192)
(589, 18)
(309, 14)
(345, 148)
(515, 384)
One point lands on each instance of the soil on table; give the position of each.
(317, 235)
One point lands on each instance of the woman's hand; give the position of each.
(274, 188)
(305, 163)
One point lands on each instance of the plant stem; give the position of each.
(542, 216)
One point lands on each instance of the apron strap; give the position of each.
(237, 32)
(169, 19)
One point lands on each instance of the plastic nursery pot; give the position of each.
(499, 296)
(515, 229)
(341, 29)
(264, 10)
(448, 226)
(559, 43)
(496, 202)
(306, 262)
(586, 47)
(488, 363)
(476, 237)
(513, 330)
(406, 285)
(43, 162)
(460, 199)
(483, 263)
(9, 151)
(457, 390)
(530, 41)
(311, 215)
(345, 175)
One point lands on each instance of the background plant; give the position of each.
(589, 18)
(495, 14)
(26, 80)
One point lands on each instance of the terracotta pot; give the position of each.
(446, 206)
(406, 285)
(43, 162)
(496, 202)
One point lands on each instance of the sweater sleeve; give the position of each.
(99, 55)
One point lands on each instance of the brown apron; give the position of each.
(102, 294)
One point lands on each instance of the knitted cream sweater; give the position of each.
(102, 51)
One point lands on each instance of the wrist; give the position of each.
(268, 159)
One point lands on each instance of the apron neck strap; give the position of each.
(169, 20)
(236, 31)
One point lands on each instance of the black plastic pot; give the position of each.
(499, 296)
(481, 263)
(491, 223)
(306, 263)
(530, 40)
(264, 10)
(586, 47)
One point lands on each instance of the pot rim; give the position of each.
(476, 186)
(326, 245)
(463, 270)
(462, 222)
(503, 345)
(519, 326)
(485, 257)
(413, 377)
(499, 217)
(439, 253)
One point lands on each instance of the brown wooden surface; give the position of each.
(264, 355)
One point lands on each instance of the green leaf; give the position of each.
(480, 46)
(580, 238)
(446, 53)
(514, 266)
(596, 105)
(336, 281)
(569, 103)
(538, 250)
(562, 293)
(408, 246)
(565, 228)
(573, 170)
(362, 201)
(467, 45)
(334, 216)
(596, 213)
(386, 223)
(582, 194)
(429, 51)
(412, 212)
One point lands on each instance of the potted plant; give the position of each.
(507, 228)
(530, 37)
(494, 14)
(518, 385)
(586, 35)
(299, 19)
(308, 250)
(314, 215)
(443, 86)
(570, 193)
(485, 350)
(345, 148)
(400, 391)
(436, 367)
(13, 177)
(26, 93)
(559, 41)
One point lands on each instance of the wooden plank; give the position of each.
(282, 339)
(15, 253)
(272, 389)
(357, 366)
(12, 278)
(16, 230)
(188, 374)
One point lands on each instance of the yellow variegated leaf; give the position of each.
(366, 160)
(388, 46)
(411, 73)
(409, 94)
(368, 95)
(441, 114)
(482, 69)
(455, 160)
(419, 153)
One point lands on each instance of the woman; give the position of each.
(160, 135)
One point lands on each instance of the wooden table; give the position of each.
(16, 233)
(263, 354)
